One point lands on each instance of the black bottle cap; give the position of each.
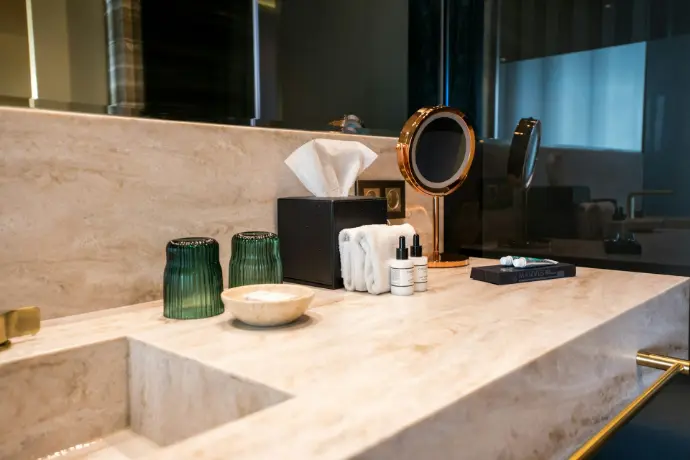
(416, 249)
(401, 251)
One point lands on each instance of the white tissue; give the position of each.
(329, 168)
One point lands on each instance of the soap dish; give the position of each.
(267, 304)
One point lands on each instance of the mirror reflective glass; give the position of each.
(362, 68)
(439, 152)
(436, 149)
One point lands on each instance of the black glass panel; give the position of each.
(607, 79)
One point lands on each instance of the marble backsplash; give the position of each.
(88, 202)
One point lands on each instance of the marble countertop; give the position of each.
(466, 369)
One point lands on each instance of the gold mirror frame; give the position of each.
(409, 134)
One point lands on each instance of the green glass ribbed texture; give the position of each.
(193, 279)
(255, 259)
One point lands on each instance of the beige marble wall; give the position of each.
(88, 202)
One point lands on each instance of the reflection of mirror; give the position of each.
(393, 198)
(524, 149)
(435, 152)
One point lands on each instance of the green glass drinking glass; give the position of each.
(193, 279)
(255, 259)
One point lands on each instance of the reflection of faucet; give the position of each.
(348, 124)
(15, 323)
(632, 195)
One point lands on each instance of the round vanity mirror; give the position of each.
(523, 152)
(435, 152)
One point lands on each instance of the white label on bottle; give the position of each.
(402, 277)
(420, 273)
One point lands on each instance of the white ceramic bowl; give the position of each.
(267, 312)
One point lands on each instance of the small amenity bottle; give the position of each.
(421, 265)
(402, 271)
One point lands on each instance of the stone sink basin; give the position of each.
(121, 398)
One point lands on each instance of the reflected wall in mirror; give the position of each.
(53, 51)
(286, 63)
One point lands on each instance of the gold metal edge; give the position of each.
(671, 367)
(404, 144)
(18, 322)
(408, 134)
(448, 264)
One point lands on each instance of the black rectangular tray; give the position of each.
(498, 274)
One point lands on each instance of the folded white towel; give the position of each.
(351, 260)
(379, 243)
(365, 252)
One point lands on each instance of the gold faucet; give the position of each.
(19, 322)
(632, 195)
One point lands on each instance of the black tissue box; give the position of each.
(308, 229)
(498, 274)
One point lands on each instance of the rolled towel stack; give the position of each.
(364, 255)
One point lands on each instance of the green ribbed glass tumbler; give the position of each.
(193, 279)
(255, 259)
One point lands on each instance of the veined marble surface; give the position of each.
(466, 370)
(88, 202)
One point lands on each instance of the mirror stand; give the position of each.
(438, 259)
(435, 153)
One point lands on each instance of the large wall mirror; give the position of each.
(607, 79)
(306, 64)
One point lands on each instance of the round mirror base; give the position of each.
(447, 260)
